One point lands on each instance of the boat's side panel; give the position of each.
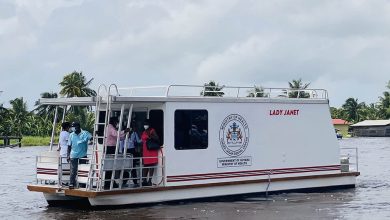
(288, 139)
(214, 191)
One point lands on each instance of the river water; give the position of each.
(370, 200)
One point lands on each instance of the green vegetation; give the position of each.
(37, 141)
(354, 111)
(298, 85)
(35, 126)
(212, 89)
(257, 91)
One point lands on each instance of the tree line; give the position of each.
(354, 111)
(17, 120)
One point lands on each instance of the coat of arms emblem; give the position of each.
(234, 135)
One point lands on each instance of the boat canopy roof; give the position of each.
(193, 93)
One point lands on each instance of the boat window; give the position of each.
(156, 118)
(191, 129)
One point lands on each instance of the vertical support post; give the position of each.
(128, 126)
(36, 168)
(59, 172)
(116, 148)
(357, 159)
(64, 113)
(125, 145)
(54, 129)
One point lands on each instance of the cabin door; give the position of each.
(156, 117)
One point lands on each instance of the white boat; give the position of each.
(223, 145)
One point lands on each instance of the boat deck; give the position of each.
(81, 192)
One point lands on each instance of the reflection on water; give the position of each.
(370, 200)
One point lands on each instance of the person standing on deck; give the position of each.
(63, 141)
(112, 134)
(77, 150)
(150, 157)
(133, 144)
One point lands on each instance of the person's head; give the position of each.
(65, 126)
(114, 121)
(146, 124)
(133, 126)
(76, 127)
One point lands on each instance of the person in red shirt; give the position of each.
(150, 157)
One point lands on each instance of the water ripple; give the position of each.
(370, 200)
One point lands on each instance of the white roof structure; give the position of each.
(372, 123)
(193, 93)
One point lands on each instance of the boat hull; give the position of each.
(60, 199)
(190, 193)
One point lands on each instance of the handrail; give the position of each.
(222, 91)
(352, 155)
(94, 181)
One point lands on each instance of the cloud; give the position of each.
(342, 46)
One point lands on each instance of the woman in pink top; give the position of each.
(112, 134)
(150, 157)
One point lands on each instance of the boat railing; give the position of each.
(55, 171)
(349, 159)
(49, 170)
(117, 173)
(222, 91)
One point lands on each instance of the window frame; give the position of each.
(174, 132)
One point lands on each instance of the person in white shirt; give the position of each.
(63, 141)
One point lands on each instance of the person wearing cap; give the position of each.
(77, 150)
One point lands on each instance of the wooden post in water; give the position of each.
(7, 141)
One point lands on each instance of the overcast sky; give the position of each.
(341, 46)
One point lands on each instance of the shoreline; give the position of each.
(34, 141)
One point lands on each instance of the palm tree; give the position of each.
(76, 85)
(4, 117)
(212, 89)
(337, 113)
(352, 108)
(369, 112)
(84, 117)
(18, 115)
(384, 107)
(46, 110)
(257, 91)
(298, 85)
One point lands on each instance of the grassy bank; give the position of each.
(37, 141)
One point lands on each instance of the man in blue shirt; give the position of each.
(78, 146)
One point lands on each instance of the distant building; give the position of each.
(372, 128)
(341, 126)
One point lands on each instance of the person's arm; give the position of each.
(114, 133)
(69, 147)
(137, 138)
(153, 135)
(86, 137)
(59, 143)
